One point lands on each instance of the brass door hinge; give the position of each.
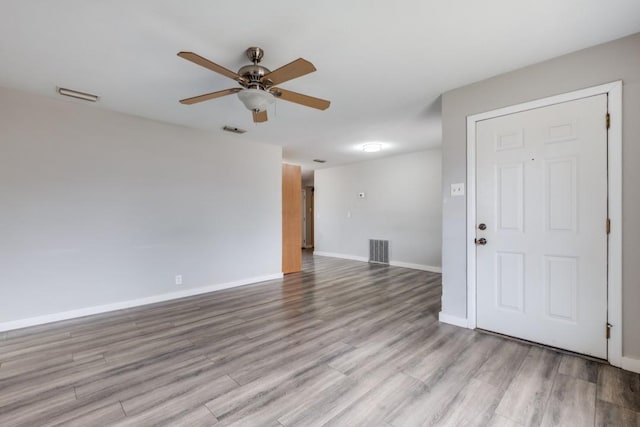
(608, 121)
(608, 226)
(608, 333)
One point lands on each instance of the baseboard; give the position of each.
(630, 364)
(393, 263)
(416, 266)
(453, 320)
(343, 256)
(72, 314)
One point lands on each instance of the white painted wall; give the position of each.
(101, 208)
(597, 65)
(402, 204)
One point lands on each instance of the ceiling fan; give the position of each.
(258, 83)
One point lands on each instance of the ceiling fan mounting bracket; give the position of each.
(255, 54)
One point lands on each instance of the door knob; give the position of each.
(482, 241)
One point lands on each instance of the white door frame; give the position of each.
(614, 275)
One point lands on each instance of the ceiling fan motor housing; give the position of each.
(252, 75)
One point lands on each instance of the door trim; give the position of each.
(614, 275)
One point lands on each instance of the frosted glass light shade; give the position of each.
(256, 99)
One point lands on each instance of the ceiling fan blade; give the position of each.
(292, 70)
(208, 96)
(204, 62)
(260, 116)
(298, 98)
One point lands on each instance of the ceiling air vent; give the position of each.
(233, 129)
(76, 94)
(319, 161)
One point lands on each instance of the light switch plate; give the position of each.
(457, 189)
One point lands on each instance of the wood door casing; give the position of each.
(310, 217)
(291, 218)
(307, 217)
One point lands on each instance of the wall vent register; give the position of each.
(379, 251)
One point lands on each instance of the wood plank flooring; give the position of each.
(343, 343)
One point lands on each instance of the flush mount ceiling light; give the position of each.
(372, 147)
(256, 100)
(78, 95)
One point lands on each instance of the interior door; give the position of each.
(291, 218)
(542, 211)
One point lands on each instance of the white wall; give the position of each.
(402, 204)
(99, 208)
(619, 59)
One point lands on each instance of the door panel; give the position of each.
(561, 275)
(561, 191)
(510, 192)
(542, 193)
(510, 281)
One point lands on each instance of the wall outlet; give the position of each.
(457, 189)
(179, 279)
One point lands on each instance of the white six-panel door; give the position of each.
(542, 195)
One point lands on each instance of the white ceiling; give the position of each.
(383, 64)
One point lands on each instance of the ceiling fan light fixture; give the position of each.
(372, 147)
(256, 99)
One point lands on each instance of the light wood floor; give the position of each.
(344, 343)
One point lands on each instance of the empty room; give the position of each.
(363, 213)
